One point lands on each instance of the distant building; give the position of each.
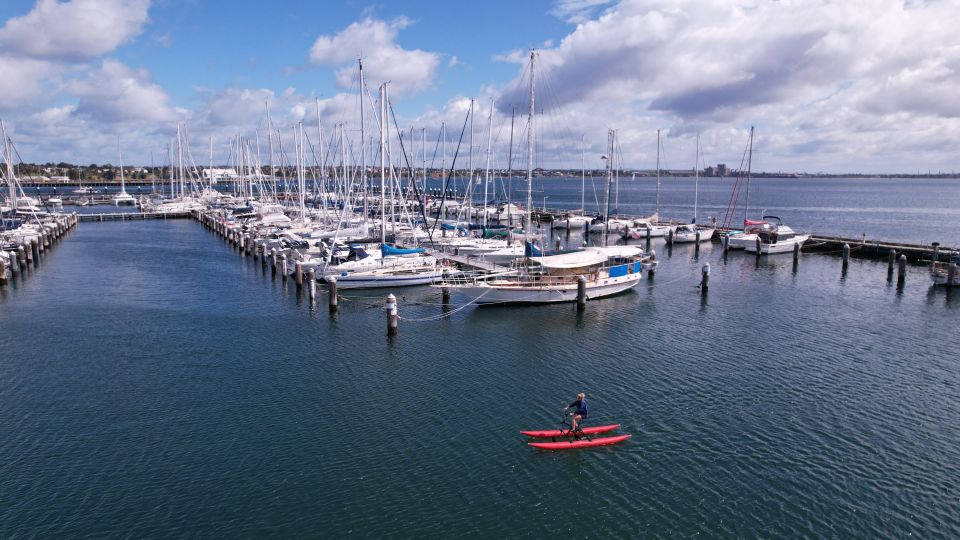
(709, 171)
(219, 174)
(721, 169)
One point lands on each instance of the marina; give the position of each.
(627, 270)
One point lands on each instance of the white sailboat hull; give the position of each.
(783, 246)
(495, 292)
(690, 237)
(389, 278)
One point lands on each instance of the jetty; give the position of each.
(134, 216)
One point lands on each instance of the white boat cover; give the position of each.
(577, 259)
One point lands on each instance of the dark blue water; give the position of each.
(154, 383)
(915, 210)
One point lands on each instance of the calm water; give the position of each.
(154, 383)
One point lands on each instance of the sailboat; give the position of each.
(122, 198)
(398, 267)
(549, 278)
(579, 219)
(765, 236)
(648, 226)
(693, 232)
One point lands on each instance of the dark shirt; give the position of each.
(581, 405)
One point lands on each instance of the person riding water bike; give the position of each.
(579, 411)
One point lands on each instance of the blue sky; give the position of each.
(831, 86)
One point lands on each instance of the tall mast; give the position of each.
(486, 180)
(513, 114)
(696, 183)
(180, 160)
(528, 223)
(658, 176)
(443, 161)
(363, 157)
(273, 170)
(423, 161)
(320, 158)
(606, 204)
(470, 162)
(383, 165)
(211, 162)
(616, 156)
(583, 177)
(123, 188)
(746, 205)
(8, 158)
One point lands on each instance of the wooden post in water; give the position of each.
(796, 252)
(35, 250)
(891, 262)
(558, 243)
(14, 264)
(22, 255)
(332, 283)
(273, 261)
(312, 287)
(581, 293)
(705, 279)
(283, 266)
(392, 317)
(669, 237)
(651, 272)
(725, 241)
(3, 271)
(445, 295)
(758, 247)
(901, 270)
(951, 274)
(846, 256)
(298, 273)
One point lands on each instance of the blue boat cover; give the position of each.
(387, 249)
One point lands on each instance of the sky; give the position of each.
(831, 86)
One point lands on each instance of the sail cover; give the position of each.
(576, 259)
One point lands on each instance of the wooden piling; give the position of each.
(35, 250)
(652, 272)
(298, 273)
(846, 256)
(725, 241)
(581, 293)
(758, 246)
(3, 271)
(283, 266)
(951, 274)
(705, 278)
(273, 261)
(333, 300)
(14, 263)
(891, 262)
(669, 237)
(901, 270)
(22, 254)
(558, 243)
(445, 295)
(312, 284)
(796, 252)
(392, 317)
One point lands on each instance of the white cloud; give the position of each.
(114, 93)
(22, 80)
(408, 71)
(577, 11)
(73, 31)
(830, 84)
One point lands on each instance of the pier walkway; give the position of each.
(134, 216)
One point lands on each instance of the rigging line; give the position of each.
(453, 167)
(403, 152)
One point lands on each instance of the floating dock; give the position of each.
(134, 216)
